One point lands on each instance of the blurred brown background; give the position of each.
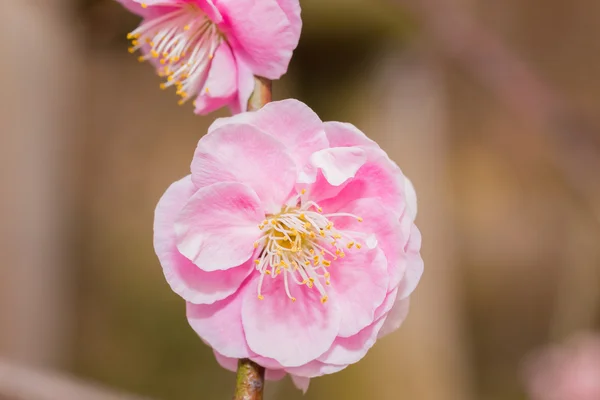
(492, 108)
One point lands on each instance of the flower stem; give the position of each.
(250, 381)
(261, 94)
(251, 376)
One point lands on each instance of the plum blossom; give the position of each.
(292, 241)
(570, 371)
(210, 50)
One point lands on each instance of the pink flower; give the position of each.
(211, 49)
(292, 241)
(567, 372)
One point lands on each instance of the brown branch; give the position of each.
(261, 95)
(250, 380)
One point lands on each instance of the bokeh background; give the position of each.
(492, 108)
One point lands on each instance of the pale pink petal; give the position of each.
(291, 333)
(350, 350)
(395, 317)
(411, 198)
(290, 121)
(184, 277)
(221, 84)
(301, 382)
(388, 303)
(245, 83)
(232, 363)
(242, 153)
(342, 134)
(379, 178)
(153, 8)
(262, 31)
(384, 224)
(220, 325)
(314, 369)
(414, 264)
(292, 10)
(359, 283)
(217, 227)
(338, 164)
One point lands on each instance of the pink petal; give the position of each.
(242, 153)
(220, 325)
(339, 164)
(184, 277)
(379, 178)
(314, 369)
(414, 264)
(292, 10)
(232, 363)
(301, 383)
(342, 134)
(245, 82)
(384, 224)
(262, 31)
(350, 350)
(290, 121)
(218, 226)
(222, 76)
(221, 84)
(154, 8)
(395, 317)
(210, 10)
(359, 284)
(411, 198)
(291, 333)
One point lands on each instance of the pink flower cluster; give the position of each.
(567, 372)
(292, 241)
(210, 50)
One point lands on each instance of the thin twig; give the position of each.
(250, 380)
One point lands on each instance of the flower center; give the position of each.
(183, 41)
(301, 243)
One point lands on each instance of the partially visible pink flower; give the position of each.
(210, 50)
(567, 372)
(293, 241)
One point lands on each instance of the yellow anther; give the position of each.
(154, 53)
(337, 236)
(165, 54)
(322, 233)
(319, 209)
(312, 235)
(307, 225)
(211, 56)
(144, 5)
(174, 59)
(163, 86)
(207, 90)
(293, 299)
(326, 263)
(256, 245)
(268, 272)
(170, 78)
(304, 282)
(131, 50)
(186, 28)
(130, 36)
(256, 262)
(134, 42)
(282, 264)
(312, 251)
(328, 283)
(329, 225)
(307, 263)
(326, 275)
(350, 245)
(261, 297)
(303, 191)
(181, 102)
(324, 299)
(163, 61)
(358, 245)
(273, 222)
(311, 280)
(310, 285)
(141, 59)
(342, 254)
(322, 252)
(359, 219)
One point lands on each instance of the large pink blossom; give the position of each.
(566, 372)
(210, 50)
(293, 241)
